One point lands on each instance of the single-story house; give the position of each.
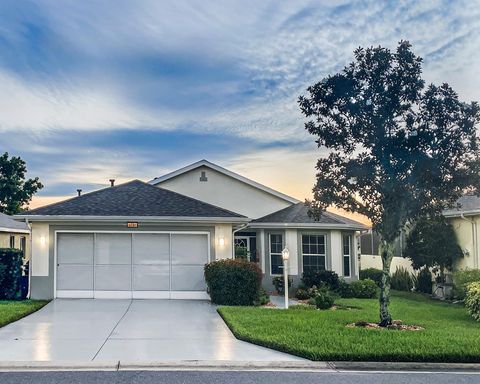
(151, 240)
(465, 220)
(14, 234)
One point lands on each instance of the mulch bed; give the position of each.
(396, 325)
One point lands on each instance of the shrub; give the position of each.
(263, 298)
(344, 289)
(320, 278)
(11, 261)
(233, 282)
(279, 284)
(364, 289)
(302, 294)
(423, 281)
(461, 279)
(401, 280)
(472, 300)
(324, 299)
(373, 274)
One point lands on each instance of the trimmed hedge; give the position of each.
(373, 274)
(472, 300)
(321, 278)
(363, 289)
(233, 282)
(461, 279)
(11, 261)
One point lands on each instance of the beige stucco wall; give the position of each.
(225, 192)
(465, 237)
(5, 241)
(373, 261)
(223, 241)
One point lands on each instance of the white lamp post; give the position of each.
(285, 256)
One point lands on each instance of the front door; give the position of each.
(242, 247)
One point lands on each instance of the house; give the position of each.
(465, 220)
(151, 240)
(14, 234)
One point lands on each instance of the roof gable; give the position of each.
(215, 167)
(133, 199)
(8, 224)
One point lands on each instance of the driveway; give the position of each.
(128, 330)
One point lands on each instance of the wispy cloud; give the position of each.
(77, 77)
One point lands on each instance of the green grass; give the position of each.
(450, 335)
(11, 311)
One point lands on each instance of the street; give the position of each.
(236, 377)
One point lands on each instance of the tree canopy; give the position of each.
(15, 191)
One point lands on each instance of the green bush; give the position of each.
(364, 289)
(344, 289)
(472, 300)
(11, 261)
(324, 299)
(373, 274)
(279, 284)
(233, 282)
(302, 294)
(423, 281)
(461, 279)
(321, 278)
(263, 298)
(401, 280)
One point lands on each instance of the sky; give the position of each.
(93, 90)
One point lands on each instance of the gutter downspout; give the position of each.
(474, 239)
(29, 258)
(243, 226)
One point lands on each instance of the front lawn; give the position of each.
(11, 311)
(450, 335)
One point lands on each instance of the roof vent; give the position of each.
(112, 182)
(203, 176)
(79, 191)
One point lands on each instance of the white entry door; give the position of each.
(126, 265)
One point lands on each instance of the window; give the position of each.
(23, 242)
(276, 261)
(12, 241)
(314, 252)
(347, 239)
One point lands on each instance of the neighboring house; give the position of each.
(466, 223)
(14, 234)
(151, 240)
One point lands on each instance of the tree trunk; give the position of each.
(386, 252)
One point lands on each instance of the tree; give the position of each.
(398, 150)
(15, 191)
(432, 243)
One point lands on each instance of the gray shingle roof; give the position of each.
(298, 214)
(9, 223)
(467, 203)
(134, 198)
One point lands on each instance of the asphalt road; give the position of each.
(216, 377)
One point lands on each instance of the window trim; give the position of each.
(275, 254)
(349, 255)
(325, 236)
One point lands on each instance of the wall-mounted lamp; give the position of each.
(43, 241)
(221, 241)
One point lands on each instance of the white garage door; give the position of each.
(138, 265)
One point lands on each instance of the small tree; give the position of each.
(15, 191)
(398, 150)
(432, 243)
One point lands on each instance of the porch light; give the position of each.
(285, 257)
(221, 241)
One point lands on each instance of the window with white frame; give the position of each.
(313, 253)
(276, 261)
(347, 252)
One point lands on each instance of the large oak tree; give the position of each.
(399, 149)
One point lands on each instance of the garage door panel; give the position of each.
(75, 248)
(151, 249)
(113, 248)
(75, 277)
(151, 278)
(188, 278)
(113, 277)
(189, 249)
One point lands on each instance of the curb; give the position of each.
(206, 365)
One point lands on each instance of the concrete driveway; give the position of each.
(127, 330)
